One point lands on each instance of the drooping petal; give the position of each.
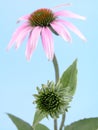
(73, 29)
(16, 34)
(26, 17)
(47, 41)
(22, 36)
(61, 30)
(69, 14)
(32, 42)
(61, 5)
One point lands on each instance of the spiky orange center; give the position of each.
(42, 17)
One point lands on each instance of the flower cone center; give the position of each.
(42, 17)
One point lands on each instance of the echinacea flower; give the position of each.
(43, 22)
(52, 99)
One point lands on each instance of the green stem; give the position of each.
(55, 124)
(56, 68)
(63, 120)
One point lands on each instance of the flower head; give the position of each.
(43, 22)
(52, 99)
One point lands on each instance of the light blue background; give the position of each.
(19, 78)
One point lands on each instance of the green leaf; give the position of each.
(69, 78)
(41, 127)
(38, 117)
(20, 124)
(85, 124)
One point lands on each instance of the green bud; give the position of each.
(52, 99)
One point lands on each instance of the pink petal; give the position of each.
(16, 34)
(26, 17)
(47, 42)
(22, 36)
(32, 42)
(61, 5)
(61, 30)
(69, 14)
(73, 28)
